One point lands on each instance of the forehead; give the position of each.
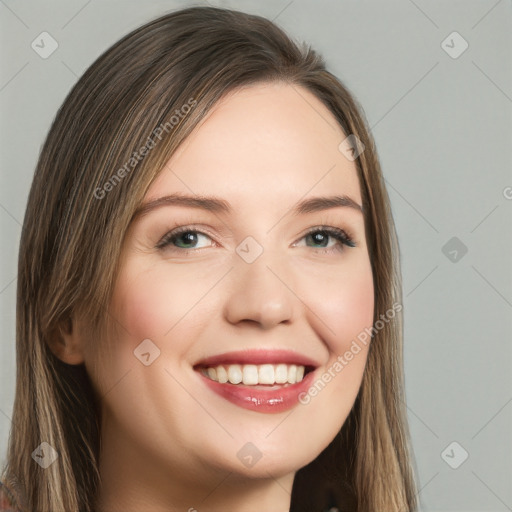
(270, 142)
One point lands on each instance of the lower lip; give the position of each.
(258, 399)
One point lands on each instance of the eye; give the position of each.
(185, 237)
(320, 235)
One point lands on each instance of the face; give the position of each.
(249, 287)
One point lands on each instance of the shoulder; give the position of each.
(8, 501)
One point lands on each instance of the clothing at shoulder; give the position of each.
(7, 500)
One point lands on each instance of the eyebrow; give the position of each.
(217, 205)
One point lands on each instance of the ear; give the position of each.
(65, 343)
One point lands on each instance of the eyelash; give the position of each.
(343, 238)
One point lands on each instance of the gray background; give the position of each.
(443, 130)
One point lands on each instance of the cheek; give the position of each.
(142, 304)
(344, 305)
(343, 309)
(156, 302)
(141, 308)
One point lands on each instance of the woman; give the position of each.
(209, 292)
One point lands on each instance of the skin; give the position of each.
(169, 442)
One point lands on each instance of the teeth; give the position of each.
(222, 375)
(266, 374)
(281, 374)
(292, 374)
(235, 374)
(252, 374)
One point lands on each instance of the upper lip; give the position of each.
(260, 356)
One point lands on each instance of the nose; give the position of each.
(259, 293)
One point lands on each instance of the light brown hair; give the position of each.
(71, 243)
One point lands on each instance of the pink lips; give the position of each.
(258, 357)
(277, 398)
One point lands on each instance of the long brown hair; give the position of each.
(81, 204)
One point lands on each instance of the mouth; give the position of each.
(264, 381)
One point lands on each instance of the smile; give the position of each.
(264, 381)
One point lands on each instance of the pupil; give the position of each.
(319, 237)
(188, 237)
